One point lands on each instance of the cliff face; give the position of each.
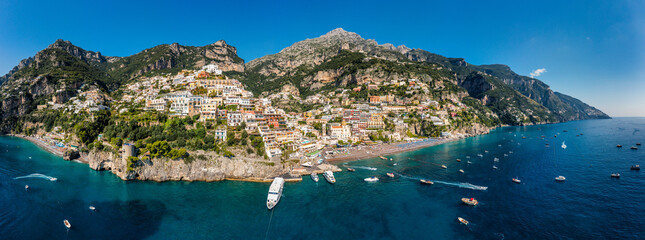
(217, 168)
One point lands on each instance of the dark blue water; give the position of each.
(589, 205)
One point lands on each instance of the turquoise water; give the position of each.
(589, 205)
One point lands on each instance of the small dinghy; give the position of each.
(515, 180)
(390, 174)
(428, 182)
(351, 169)
(462, 221)
(443, 166)
(636, 168)
(560, 178)
(314, 176)
(67, 224)
(470, 201)
(615, 175)
(371, 179)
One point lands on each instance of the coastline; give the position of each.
(376, 150)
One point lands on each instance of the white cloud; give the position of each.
(538, 72)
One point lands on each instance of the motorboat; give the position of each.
(469, 162)
(458, 160)
(619, 146)
(494, 167)
(564, 146)
(329, 176)
(351, 169)
(390, 174)
(443, 166)
(67, 224)
(463, 221)
(307, 164)
(496, 159)
(615, 175)
(638, 144)
(275, 192)
(92, 208)
(314, 176)
(636, 167)
(26, 187)
(428, 182)
(479, 155)
(560, 178)
(515, 180)
(461, 171)
(53, 179)
(523, 137)
(371, 179)
(470, 201)
(634, 148)
(384, 158)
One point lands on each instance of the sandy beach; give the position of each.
(58, 151)
(371, 151)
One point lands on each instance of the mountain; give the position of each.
(57, 72)
(344, 59)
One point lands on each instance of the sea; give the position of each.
(588, 205)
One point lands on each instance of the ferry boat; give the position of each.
(275, 192)
(351, 169)
(428, 182)
(314, 176)
(470, 201)
(615, 175)
(560, 178)
(463, 221)
(329, 176)
(443, 166)
(515, 180)
(67, 224)
(371, 179)
(636, 167)
(390, 174)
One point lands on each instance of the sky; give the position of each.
(592, 50)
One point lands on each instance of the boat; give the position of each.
(564, 131)
(92, 208)
(382, 157)
(467, 156)
(371, 179)
(26, 187)
(479, 155)
(494, 167)
(634, 148)
(560, 178)
(458, 160)
(443, 166)
(307, 164)
(470, 201)
(615, 175)
(67, 224)
(564, 146)
(428, 182)
(638, 144)
(485, 151)
(469, 162)
(461, 171)
(523, 137)
(53, 179)
(515, 180)
(463, 221)
(275, 192)
(619, 146)
(314, 176)
(496, 159)
(329, 176)
(390, 174)
(390, 159)
(636, 167)
(351, 169)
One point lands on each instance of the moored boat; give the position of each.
(26, 187)
(636, 167)
(67, 224)
(443, 166)
(463, 221)
(371, 179)
(428, 182)
(314, 176)
(515, 180)
(560, 178)
(275, 192)
(329, 176)
(307, 164)
(461, 171)
(351, 169)
(470, 201)
(390, 174)
(634, 148)
(615, 175)
(382, 157)
(619, 146)
(494, 167)
(92, 208)
(638, 144)
(458, 160)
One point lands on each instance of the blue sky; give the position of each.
(592, 50)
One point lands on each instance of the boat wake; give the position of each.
(456, 184)
(38, 175)
(363, 167)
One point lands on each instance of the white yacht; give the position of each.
(560, 178)
(275, 192)
(329, 176)
(371, 179)
(314, 176)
